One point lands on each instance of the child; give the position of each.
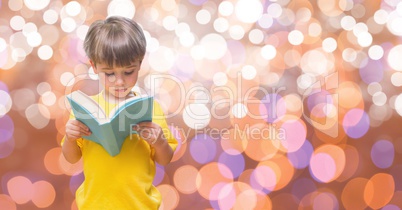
(116, 47)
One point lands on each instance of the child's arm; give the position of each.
(74, 130)
(153, 134)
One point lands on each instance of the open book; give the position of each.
(111, 130)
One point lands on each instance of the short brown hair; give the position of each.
(116, 41)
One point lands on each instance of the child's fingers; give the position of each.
(78, 128)
(81, 125)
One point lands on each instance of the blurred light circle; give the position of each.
(315, 62)
(239, 110)
(248, 11)
(184, 179)
(364, 39)
(38, 115)
(5, 103)
(73, 8)
(15, 6)
(18, 55)
(208, 177)
(34, 39)
(6, 128)
(376, 52)
(315, 30)
(220, 79)
(398, 104)
(390, 207)
(275, 10)
(226, 8)
(170, 195)
(159, 175)
(20, 189)
(393, 23)
(6, 201)
(221, 25)
(48, 98)
(82, 31)
(215, 46)
(379, 98)
(256, 36)
(322, 167)
(36, 4)
(379, 190)
(325, 200)
(17, 22)
(348, 23)
(196, 116)
(301, 157)
(360, 28)
(23, 98)
(125, 8)
(236, 32)
(305, 81)
(170, 23)
(67, 79)
(187, 39)
(382, 154)
(394, 58)
(327, 163)
(265, 177)
(182, 28)
(50, 16)
(356, 123)
(248, 72)
(268, 52)
(349, 54)
(3, 45)
(329, 44)
(353, 193)
(374, 87)
(45, 52)
(44, 194)
(68, 24)
(295, 37)
(381, 16)
(266, 21)
(235, 163)
(296, 134)
(396, 79)
(203, 148)
(162, 60)
(203, 16)
(372, 72)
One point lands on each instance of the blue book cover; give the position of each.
(110, 131)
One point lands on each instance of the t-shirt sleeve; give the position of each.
(79, 141)
(159, 118)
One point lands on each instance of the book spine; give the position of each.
(108, 140)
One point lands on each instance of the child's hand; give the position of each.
(75, 130)
(150, 132)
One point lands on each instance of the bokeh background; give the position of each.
(280, 104)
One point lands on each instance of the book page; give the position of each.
(89, 105)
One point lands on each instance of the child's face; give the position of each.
(117, 81)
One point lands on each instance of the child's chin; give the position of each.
(120, 94)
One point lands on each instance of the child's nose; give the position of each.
(119, 80)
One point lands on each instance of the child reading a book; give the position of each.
(116, 47)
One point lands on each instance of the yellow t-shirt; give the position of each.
(122, 182)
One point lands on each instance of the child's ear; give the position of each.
(93, 66)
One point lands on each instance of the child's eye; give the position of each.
(129, 72)
(109, 74)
